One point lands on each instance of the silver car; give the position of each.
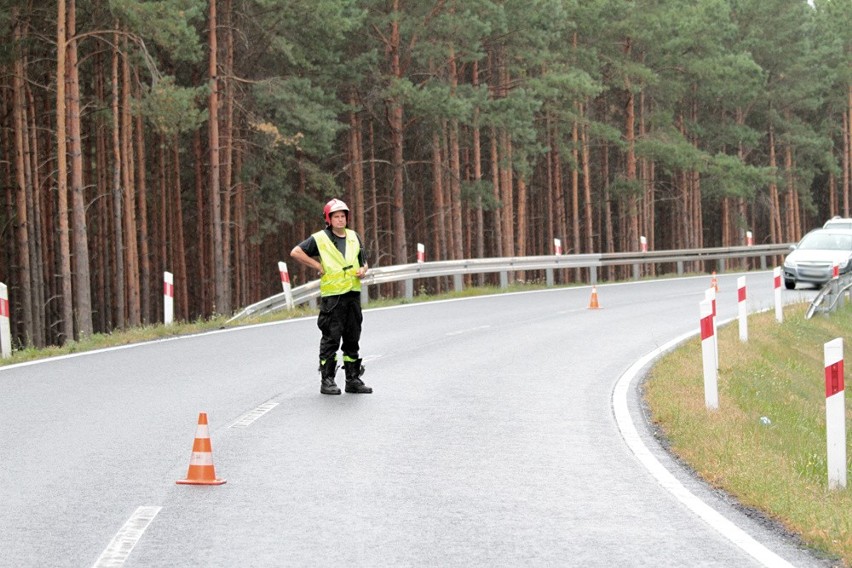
(812, 259)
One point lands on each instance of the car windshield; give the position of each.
(839, 224)
(826, 241)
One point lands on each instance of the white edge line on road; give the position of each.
(631, 436)
(126, 538)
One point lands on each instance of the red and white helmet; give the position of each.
(331, 207)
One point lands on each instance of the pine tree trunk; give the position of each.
(228, 170)
(244, 269)
(203, 253)
(128, 170)
(22, 187)
(66, 300)
(118, 225)
(495, 184)
(550, 190)
(847, 153)
(439, 235)
(167, 263)
(181, 282)
(774, 203)
(374, 204)
(789, 196)
(587, 186)
(507, 191)
(575, 191)
(102, 236)
(41, 222)
(630, 138)
(82, 276)
(146, 286)
(561, 222)
(222, 305)
(395, 122)
(356, 165)
(477, 177)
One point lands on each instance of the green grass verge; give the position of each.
(778, 468)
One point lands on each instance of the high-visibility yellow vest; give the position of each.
(339, 272)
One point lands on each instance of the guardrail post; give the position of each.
(710, 296)
(409, 289)
(779, 309)
(708, 355)
(458, 283)
(680, 268)
(548, 277)
(285, 283)
(168, 298)
(636, 268)
(504, 279)
(763, 262)
(721, 265)
(5, 327)
(835, 413)
(834, 287)
(742, 308)
(593, 274)
(365, 294)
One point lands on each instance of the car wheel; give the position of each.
(789, 284)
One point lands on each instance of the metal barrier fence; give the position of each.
(457, 269)
(832, 294)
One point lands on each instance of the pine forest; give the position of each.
(203, 137)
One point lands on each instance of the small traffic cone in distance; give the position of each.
(714, 282)
(201, 470)
(593, 303)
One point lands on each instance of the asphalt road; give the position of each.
(499, 434)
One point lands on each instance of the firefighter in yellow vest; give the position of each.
(338, 257)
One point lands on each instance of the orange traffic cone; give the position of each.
(714, 282)
(201, 471)
(593, 303)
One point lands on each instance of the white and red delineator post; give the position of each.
(779, 310)
(557, 247)
(643, 243)
(835, 270)
(168, 298)
(835, 413)
(749, 239)
(710, 295)
(421, 253)
(5, 327)
(742, 308)
(708, 355)
(285, 283)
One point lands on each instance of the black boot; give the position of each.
(354, 384)
(328, 370)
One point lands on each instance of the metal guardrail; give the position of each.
(833, 292)
(408, 273)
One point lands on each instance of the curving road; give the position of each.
(493, 438)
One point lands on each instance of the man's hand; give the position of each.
(362, 272)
